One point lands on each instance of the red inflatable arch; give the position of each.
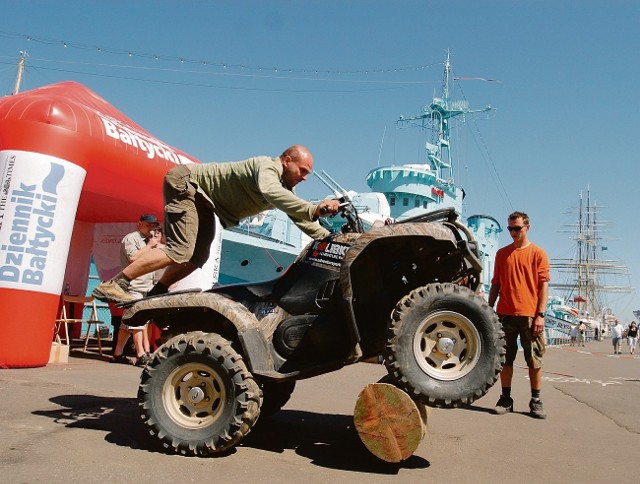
(68, 161)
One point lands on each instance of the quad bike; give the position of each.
(404, 292)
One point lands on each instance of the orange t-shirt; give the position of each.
(519, 273)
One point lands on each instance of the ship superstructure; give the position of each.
(261, 249)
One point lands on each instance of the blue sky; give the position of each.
(335, 76)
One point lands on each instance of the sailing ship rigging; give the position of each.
(587, 274)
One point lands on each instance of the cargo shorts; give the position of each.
(189, 219)
(533, 347)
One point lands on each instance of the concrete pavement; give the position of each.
(79, 422)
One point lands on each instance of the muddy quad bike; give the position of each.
(403, 291)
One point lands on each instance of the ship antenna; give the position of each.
(381, 143)
(445, 79)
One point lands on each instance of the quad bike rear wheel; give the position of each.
(445, 346)
(197, 395)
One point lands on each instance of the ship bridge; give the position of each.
(413, 186)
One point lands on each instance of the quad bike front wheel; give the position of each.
(445, 346)
(197, 395)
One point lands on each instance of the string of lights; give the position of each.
(34, 60)
(224, 65)
(207, 85)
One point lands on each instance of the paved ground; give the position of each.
(79, 422)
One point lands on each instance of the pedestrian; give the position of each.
(632, 336)
(573, 334)
(520, 284)
(616, 337)
(201, 197)
(134, 245)
(582, 330)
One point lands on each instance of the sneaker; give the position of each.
(536, 409)
(504, 405)
(143, 360)
(108, 291)
(121, 359)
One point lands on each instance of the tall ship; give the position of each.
(263, 246)
(584, 280)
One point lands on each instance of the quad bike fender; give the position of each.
(437, 232)
(249, 333)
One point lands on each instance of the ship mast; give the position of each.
(435, 117)
(586, 273)
(23, 58)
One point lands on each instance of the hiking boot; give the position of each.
(121, 359)
(536, 410)
(504, 405)
(143, 360)
(109, 291)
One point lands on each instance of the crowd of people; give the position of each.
(580, 333)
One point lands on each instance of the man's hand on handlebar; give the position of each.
(327, 207)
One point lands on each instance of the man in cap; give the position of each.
(135, 245)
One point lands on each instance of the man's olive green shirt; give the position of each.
(241, 189)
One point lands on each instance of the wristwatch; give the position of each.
(540, 314)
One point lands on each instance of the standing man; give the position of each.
(616, 337)
(196, 195)
(582, 333)
(520, 283)
(134, 245)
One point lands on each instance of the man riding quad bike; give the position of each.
(403, 291)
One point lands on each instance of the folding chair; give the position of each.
(66, 321)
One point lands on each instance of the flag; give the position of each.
(579, 299)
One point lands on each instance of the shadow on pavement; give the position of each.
(327, 440)
(90, 355)
(475, 408)
(119, 417)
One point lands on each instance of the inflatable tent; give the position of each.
(69, 164)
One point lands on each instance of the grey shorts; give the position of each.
(533, 347)
(189, 220)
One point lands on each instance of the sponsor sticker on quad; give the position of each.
(327, 254)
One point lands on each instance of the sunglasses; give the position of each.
(515, 228)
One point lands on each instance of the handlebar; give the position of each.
(325, 210)
(347, 211)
